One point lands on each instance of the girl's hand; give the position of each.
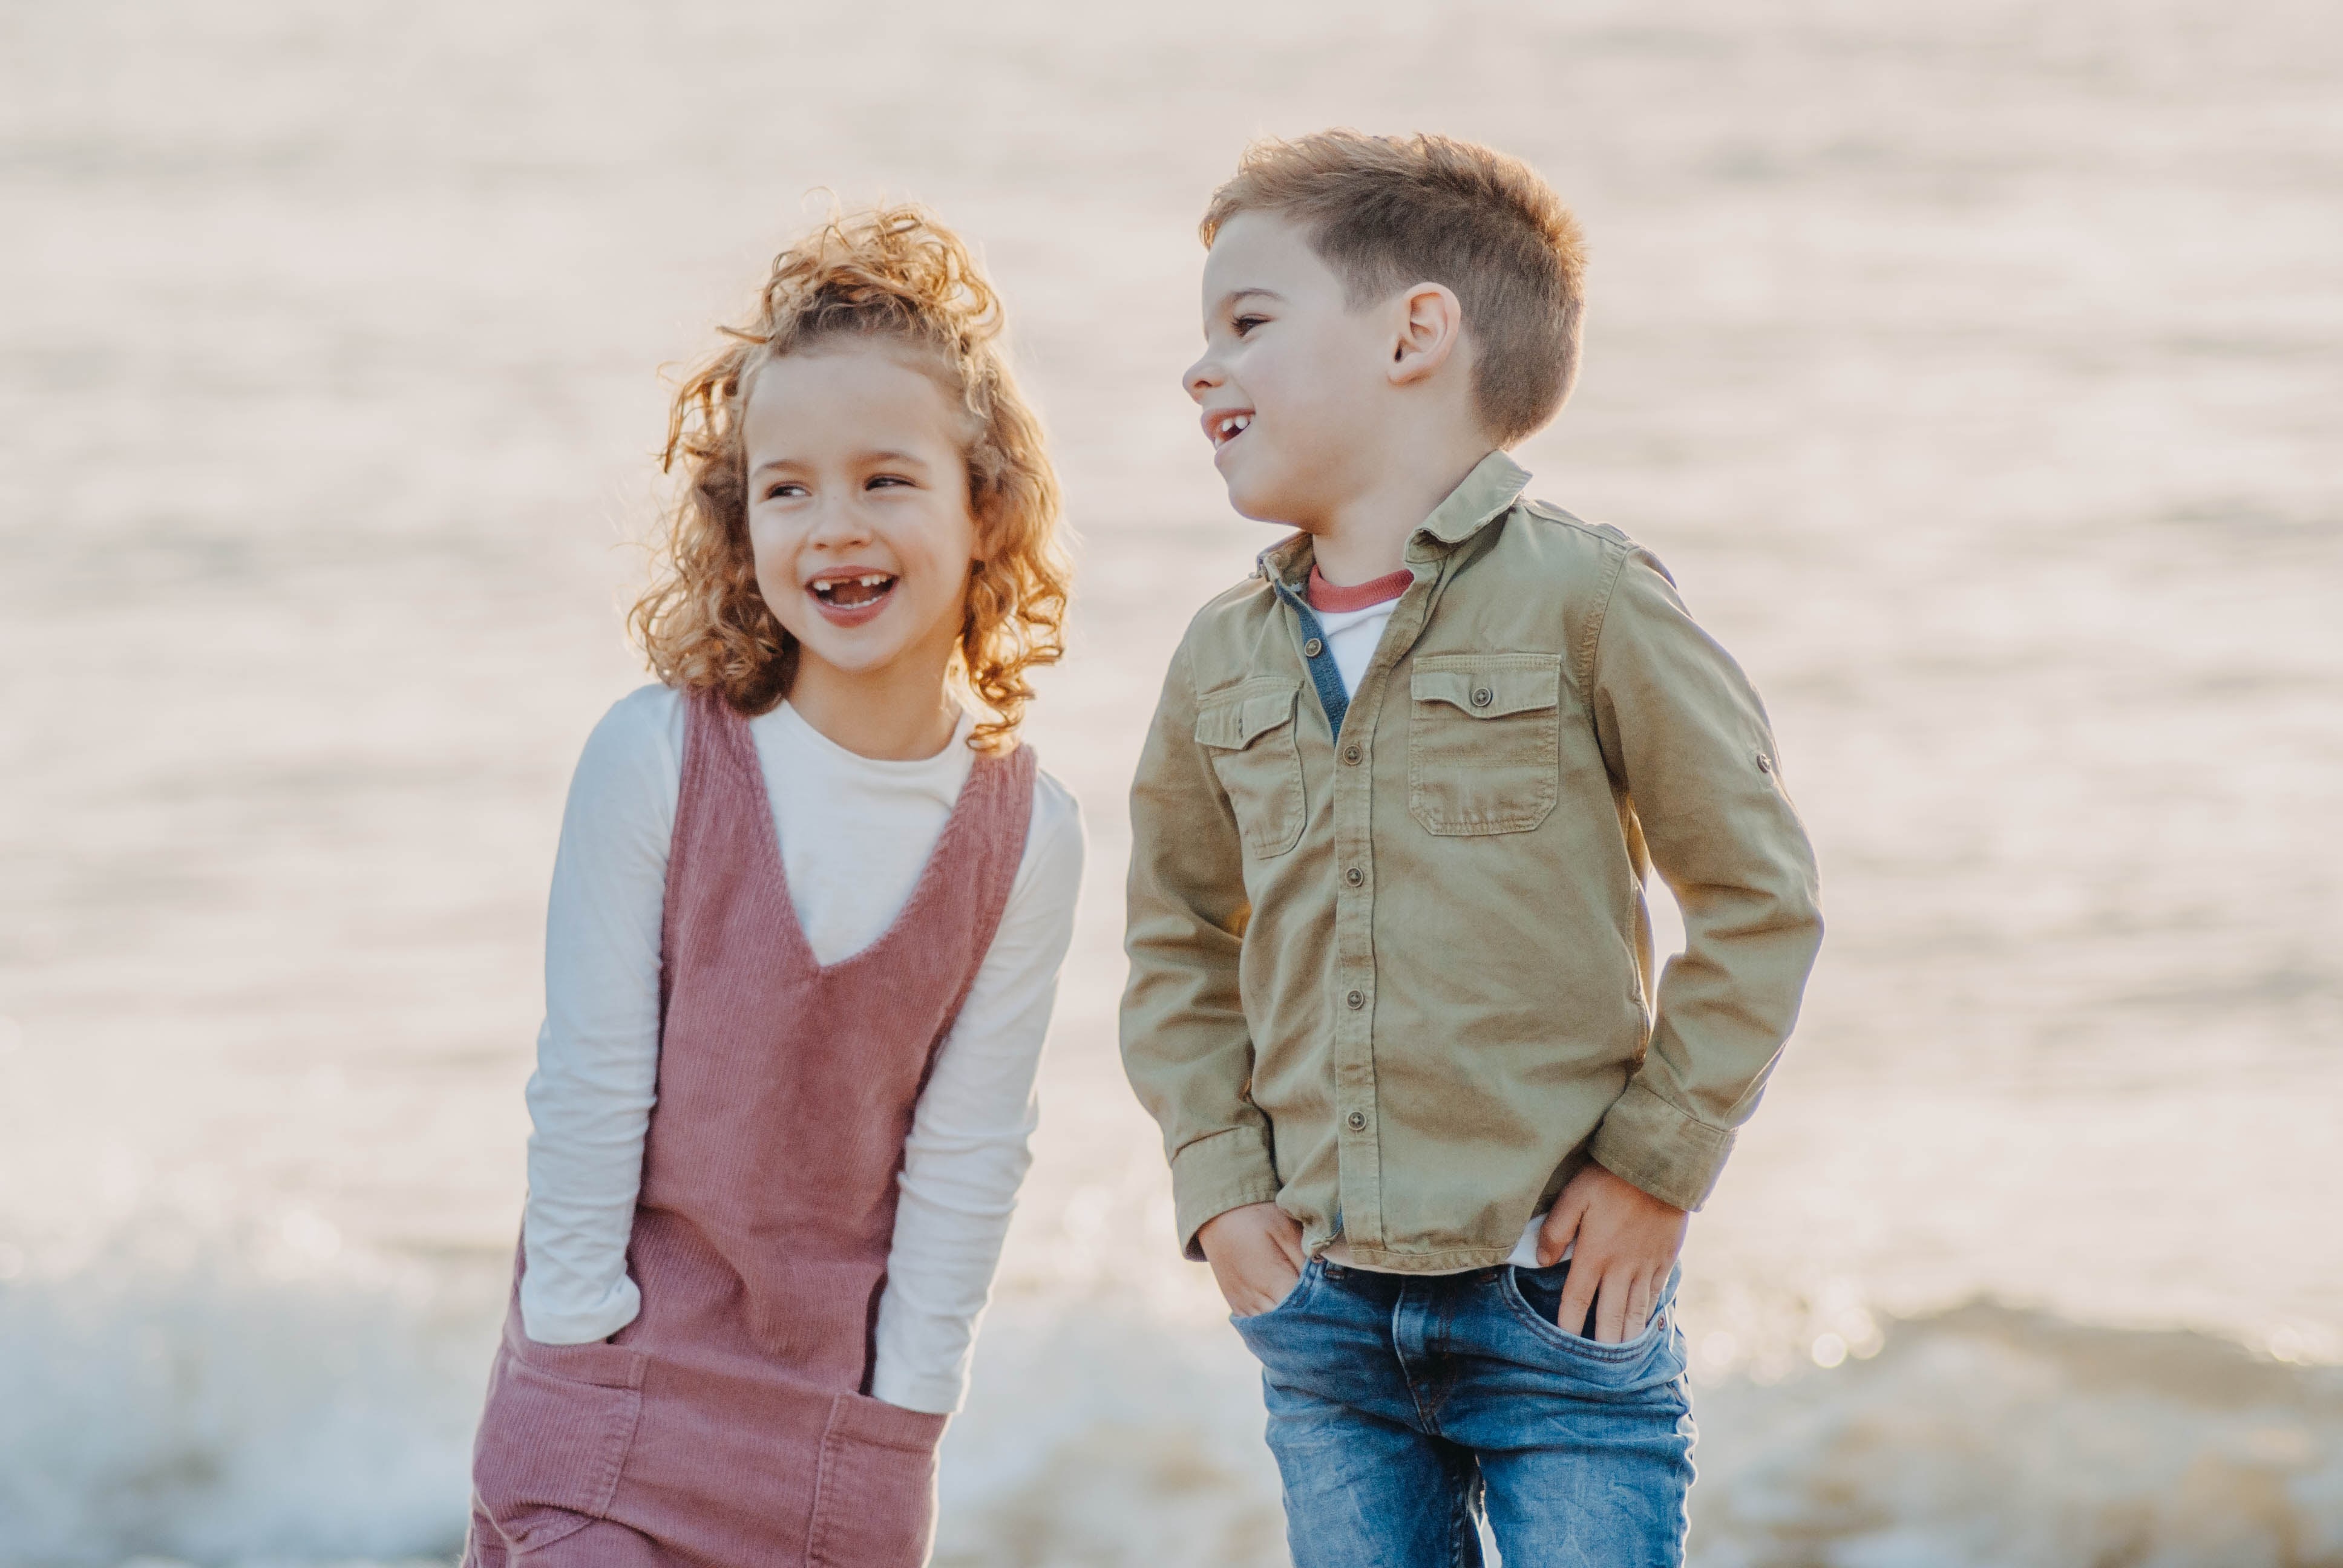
(1625, 1243)
(1256, 1256)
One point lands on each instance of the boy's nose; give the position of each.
(1200, 378)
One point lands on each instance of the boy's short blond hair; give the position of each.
(1385, 212)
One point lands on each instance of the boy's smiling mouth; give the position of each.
(849, 596)
(1225, 425)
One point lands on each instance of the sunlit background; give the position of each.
(1977, 368)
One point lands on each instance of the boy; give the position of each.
(1429, 1121)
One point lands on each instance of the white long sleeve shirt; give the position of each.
(855, 833)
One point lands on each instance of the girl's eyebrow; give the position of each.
(886, 455)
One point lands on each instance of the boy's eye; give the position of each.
(876, 480)
(1245, 323)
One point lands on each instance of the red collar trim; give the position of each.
(1334, 601)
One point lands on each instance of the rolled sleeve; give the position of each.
(1659, 1146)
(1213, 1175)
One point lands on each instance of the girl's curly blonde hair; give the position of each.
(892, 272)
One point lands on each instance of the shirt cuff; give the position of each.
(1665, 1151)
(551, 1325)
(928, 1395)
(1213, 1175)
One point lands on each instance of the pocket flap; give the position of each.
(1489, 688)
(1233, 720)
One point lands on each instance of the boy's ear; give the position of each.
(1431, 320)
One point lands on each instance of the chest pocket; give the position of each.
(1483, 741)
(1248, 732)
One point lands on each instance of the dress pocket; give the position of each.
(554, 1437)
(874, 1503)
(1248, 731)
(1483, 741)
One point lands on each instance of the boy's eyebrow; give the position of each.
(1232, 296)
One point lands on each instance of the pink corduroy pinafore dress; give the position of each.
(730, 1423)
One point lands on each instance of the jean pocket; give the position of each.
(1542, 1289)
(554, 1437)
(1529, 1298)
(1248, 731)
(1483, 742)
(1301, 1283)
(874, 1503)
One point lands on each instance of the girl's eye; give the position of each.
(786, 488)
(877, 479)
(1245, 323)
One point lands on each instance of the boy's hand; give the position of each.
(1256, 1256)
(1627, 1241)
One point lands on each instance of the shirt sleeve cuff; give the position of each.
(1213, 1175)
(551, 1325)
(1665, 1151)
(928, 1395)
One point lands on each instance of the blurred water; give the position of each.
(1975, 369)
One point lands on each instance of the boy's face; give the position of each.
(1293, 384)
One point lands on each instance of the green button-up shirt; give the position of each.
(1398, 976)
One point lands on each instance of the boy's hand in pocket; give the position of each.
(1256, 1256)
(1622, 1242)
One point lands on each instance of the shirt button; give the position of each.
(1312, 649)
(1354, 876)
(1357, 998)
(1349, 754)
(1765, 763)
(1483, 697)
(1357, 1119)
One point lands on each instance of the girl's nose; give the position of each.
(838, 522)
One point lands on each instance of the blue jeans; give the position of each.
(1401, 1405)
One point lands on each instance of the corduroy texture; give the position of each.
(729, 1425)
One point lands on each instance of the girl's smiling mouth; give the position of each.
(1226, 424)
(849, 596)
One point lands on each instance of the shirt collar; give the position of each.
(1482, 496)
(1486, 493)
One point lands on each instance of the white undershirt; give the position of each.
(855, 833)
(1352, 637)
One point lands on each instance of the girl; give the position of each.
(807, 914)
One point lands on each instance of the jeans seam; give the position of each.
(1423, 1418)
(1463, 1534)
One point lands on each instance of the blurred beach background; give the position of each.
(1977, 369)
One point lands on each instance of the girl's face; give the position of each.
(858, 509)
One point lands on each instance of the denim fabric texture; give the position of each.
(1325, 675)
(1402, 1407)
